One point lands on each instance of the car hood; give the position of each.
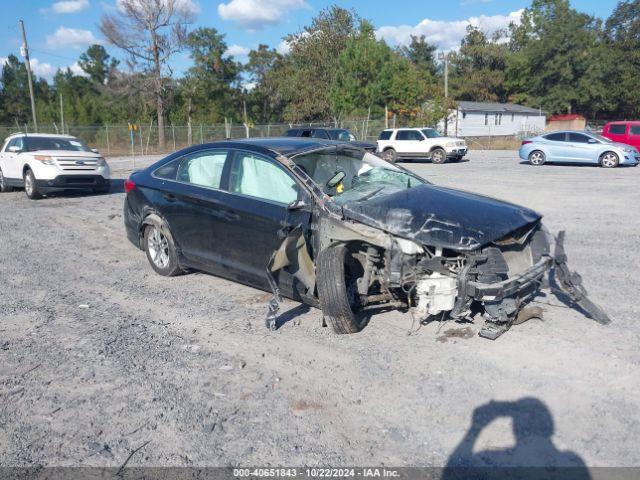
(448, 139)
(442, 217)
(365, 145)
(66, 153)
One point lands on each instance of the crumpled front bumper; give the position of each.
(504, 300)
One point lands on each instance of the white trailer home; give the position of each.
(489, 119)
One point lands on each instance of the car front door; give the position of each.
(10, 162)
(409, 142)
(618, 132)
(582, 148)
(192, 204)
(260, 192)
(634, 136)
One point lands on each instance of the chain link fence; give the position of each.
(138, 139)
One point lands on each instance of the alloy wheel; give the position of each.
(609, 160)
(437, 156)
(536, 158)
(158, 248)
(2, 180)
(28, 184)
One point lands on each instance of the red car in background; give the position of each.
(623, 132)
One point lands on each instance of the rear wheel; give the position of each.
(161, 251)
(337, 276)
(30, 186)
(537, 158)
(609, 160)
(390, 155)
(4, 187)
(438, 156)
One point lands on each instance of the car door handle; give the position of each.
(169, 197)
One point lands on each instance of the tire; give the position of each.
(161, 250)
(537, 158)
(337, 273)
(390, 155)
(609, 160)
(3, 184)
(438, 156)
(30, 186)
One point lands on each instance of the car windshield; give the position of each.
(430, 133)
(600, 137)
(33, 144)
(353, 175)
(341, 135)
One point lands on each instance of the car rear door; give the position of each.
(557, 147)
(634, 135)
(192, 202)
(260, 191)
(11, 165)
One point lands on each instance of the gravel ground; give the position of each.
(99, 355)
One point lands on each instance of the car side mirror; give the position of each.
(95, 150)
(14, 149)
(592, 140)
(336, 179)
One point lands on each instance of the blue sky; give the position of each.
(59, 30)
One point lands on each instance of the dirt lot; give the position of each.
(99, 355)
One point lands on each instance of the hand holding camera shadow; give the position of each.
(534, 450)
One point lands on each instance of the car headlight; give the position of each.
(46, 159)
(101, 162)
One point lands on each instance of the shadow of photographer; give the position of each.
(533, 456)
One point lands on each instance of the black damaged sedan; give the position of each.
(335, 227)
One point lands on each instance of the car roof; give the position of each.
(408, 128)
(46, 135)
(287, 146)
(624, 122)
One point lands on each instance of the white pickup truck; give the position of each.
(43, 163)
(419, 143)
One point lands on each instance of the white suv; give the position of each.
(395, 143)
(42, 163)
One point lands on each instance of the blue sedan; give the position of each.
(578, 147)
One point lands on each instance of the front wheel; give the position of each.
(438, 156)
(161, 251)
(609, 160)
(30, 186)
(4, 187)
(337, 275)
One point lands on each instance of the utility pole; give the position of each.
(25, 53)
(445, 58)
(61, 114)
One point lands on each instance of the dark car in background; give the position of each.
(337, 134)
(333, 226)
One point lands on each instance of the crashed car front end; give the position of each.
(437, 252)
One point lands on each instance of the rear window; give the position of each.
(617, 129)
(635, 130)
(385, 135)
(555, 137)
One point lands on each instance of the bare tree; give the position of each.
(150, 32)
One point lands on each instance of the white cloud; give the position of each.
(70, 6)
(446, 35)
(71, 37)
(77, 70)
(3, 60)
(283, 47)
(237, 51)
(186, 7)
(42, 69)
(257, 14)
